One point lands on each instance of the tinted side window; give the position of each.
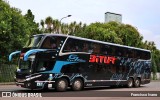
(46, 43)
(73, 45)
(130, 53)
(76, 45)
(96, 47)
(52, 42)
(148, 55)
(105, 50)
(145, 55)
(139, 54)
(124, 52)
(114, 50)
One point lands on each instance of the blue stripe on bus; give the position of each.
(58, 66)
(31, 52)
(13, 53)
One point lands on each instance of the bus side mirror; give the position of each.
(13, 53)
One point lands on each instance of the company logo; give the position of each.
(75, 58)
(102, 59)
(6, 94)
(18, 94)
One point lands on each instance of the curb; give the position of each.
(8, 83)
(155, 80)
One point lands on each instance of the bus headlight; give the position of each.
(18, 70)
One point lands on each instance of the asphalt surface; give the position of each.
(149, 91)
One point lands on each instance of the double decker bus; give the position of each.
(61, 61)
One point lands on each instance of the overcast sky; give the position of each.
(142, 14)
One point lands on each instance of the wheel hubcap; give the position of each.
(137, 82)
(62, 84)
(130, 83)
(77, 84)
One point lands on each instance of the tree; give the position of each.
(49, 21)
(42, 24)
(56, 26)
(154, 67)
(14, 29)
(32, 25)
(100, 31)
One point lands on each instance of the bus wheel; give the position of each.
(61, 85)
(137, 82)
(45, 88)
(130, 83)
(77, 85)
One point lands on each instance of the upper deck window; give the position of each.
(52, 42)
(77, 45)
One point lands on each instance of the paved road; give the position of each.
(102, 93)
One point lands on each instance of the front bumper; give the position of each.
(36, 84)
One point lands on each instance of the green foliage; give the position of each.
(154, 66)
(14, 29)
(32, 26)
(48, 22)
(156, 58)
(56, 26)
(113, 32)
(7, 73)
(99, 31)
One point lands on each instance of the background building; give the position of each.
(113, 17)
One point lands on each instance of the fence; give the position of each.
(7, 73)
(157, 76)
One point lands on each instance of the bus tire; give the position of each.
(77, 84)
(130, 83)
(45, 88)
(137, 82)
(61, 85)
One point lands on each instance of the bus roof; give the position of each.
(91, 40)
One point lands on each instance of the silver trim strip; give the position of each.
(44, 81)
(102, 80)
(33, 77)
(62, 54)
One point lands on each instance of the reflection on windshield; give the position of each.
(33, 42)
(24, 64)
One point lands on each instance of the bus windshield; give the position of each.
(24, 65)
(34, 42)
